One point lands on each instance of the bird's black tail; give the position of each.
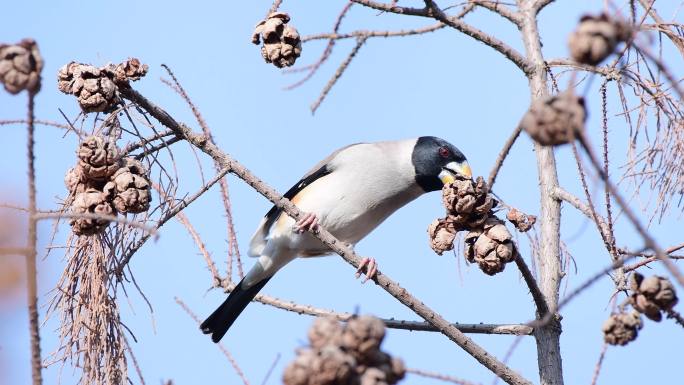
(218, 323)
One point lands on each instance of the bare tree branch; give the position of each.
(225, 351)
(458, 24)
(441, 377)
(393, 288)
(32, 244)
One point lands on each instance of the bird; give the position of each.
(349, 193)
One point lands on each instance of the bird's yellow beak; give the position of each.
(453, 169)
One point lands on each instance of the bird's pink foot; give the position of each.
(307, 222)
(369, 267)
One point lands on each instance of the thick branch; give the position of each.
(549, 358)
(398, 292)
(460, 25)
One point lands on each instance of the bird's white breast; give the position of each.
(369, 183)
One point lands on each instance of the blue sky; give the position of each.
(442, 84)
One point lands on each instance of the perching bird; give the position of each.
(349, 193)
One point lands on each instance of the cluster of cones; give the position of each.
(469, 208)
(651, 297)
(103, 183)
(346, 354)
(96, 88)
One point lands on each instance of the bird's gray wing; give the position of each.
(321, 169)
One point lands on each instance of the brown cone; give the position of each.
(96, 88)
(622, 328)
(20, 66)
(441, 233)
(555, 120)
(467, 202)
(652, 295)
(98, 158)
(129, 188)
(281, 42)
(90, 202)
(523, 222)
(341, 355)
(596, 38)
(491, 247)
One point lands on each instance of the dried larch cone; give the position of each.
(467, 202)
(76, 181)
(132, 69)
(652, 295)
(441, 233)
(622, 328)
(92, 86)
(491, 247)
(325, 331)
(348, 354)
(94, 202)
(362, 336)
(98, 157)
(555, 120)
(20, 66)
(281, 42)
(596, 38)
(129, 187)
(523, 222)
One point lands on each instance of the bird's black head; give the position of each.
(437, 162)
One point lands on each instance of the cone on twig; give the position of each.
(20, 66)
(467, 202)
(652, 295)
(491, 247)
(555, 120)
(129, 187)
(344, 354)
(98, 158)
(442, 233)
(92, 202)
(596, 38)
(523, 222)
(96, 88)
(281, 42)
(622, 328)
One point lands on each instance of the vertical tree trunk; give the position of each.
(548, 336)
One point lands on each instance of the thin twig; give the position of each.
(393, 288)
(271, 369)
(479, 328)
(502, 155)
(438, 14)
(537, 295)
(369, 34)
(169, 214)
(32, 244)
(648, 239)
(439, 376)
(233, 248)
(25, 251)
(599, 364)
(338, 73)
(225, 351)
(104, 217)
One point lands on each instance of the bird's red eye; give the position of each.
(444, 152)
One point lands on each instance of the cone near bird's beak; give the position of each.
(453, 170)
